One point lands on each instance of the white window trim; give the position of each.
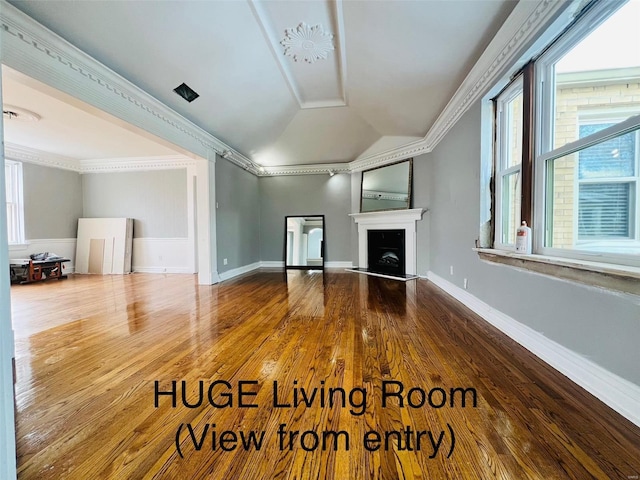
(17, 220)
(545, 92)
(511, 92)
(591, 270)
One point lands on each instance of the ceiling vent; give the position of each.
(186, 92)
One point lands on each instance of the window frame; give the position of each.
(15, 215)
(629, 125)
(538, 124)
(508, 94)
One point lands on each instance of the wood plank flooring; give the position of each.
(96, 359)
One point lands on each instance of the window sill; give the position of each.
(609, 276)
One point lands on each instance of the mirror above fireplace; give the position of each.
(387, 187)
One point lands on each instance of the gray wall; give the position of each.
(156, 200)
(237, 216)
(602, 326)
(420, 195)
(306, 195)
(52, 202)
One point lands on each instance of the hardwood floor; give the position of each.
(96, 358)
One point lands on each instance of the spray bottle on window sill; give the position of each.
(523, 239)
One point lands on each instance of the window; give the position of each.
(591, 196)
(583, 185)
(15, 212)
(509, 120)
(607, 178)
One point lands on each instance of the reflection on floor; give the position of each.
(153, 376)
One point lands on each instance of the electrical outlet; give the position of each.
(451, 270)
(224, 261)
(465, 284)
(217, 206)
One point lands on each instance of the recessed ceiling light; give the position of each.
(186, 92)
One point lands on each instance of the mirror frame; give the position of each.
(410, 181)
(324, 242)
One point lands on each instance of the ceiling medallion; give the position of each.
(307, 43)
(10, 112)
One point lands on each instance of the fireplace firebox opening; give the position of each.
(386, 251)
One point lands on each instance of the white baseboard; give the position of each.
(620, 394)
(156, 269)
(239, 271)
(280, 264)
(338, 264)
(271, 264)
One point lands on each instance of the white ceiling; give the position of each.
(66, 127)
(393, 68)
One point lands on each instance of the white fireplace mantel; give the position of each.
(389, 220)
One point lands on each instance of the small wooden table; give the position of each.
(25, 270)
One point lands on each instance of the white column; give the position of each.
(192, 231)
(213, 237)
(205, 224)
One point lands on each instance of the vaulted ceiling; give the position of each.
(289, 82)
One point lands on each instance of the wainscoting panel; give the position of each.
(163, 255)
(64, 247)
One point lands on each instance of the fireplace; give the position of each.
(386, 251)
(389, 221)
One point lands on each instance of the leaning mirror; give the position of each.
(304, 242)
(387, 187)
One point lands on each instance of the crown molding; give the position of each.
(130, 164)
(520, 30)
(314, 169)
(241, 161)
(409, 150)
(526, 22)
(31, 48)
(34, 50)
(38, 157)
